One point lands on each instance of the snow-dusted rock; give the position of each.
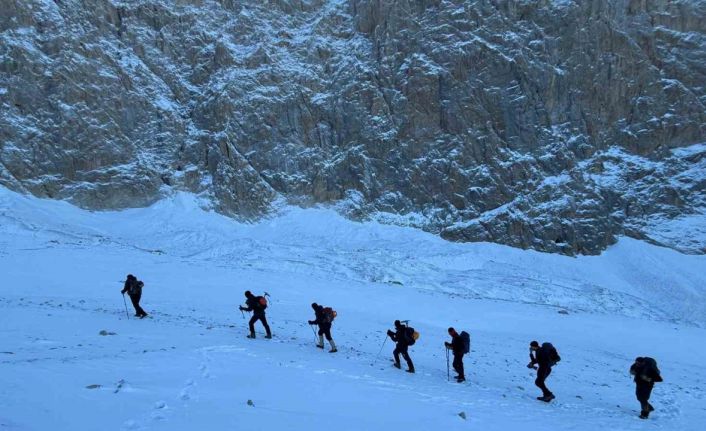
(553, 125)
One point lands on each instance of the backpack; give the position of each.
(262, 302)
(136, 288)
(651, 369)
(553, 354)
(329, 314)
(411, 336)
(466, 338)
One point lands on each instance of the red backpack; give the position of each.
(329, 314)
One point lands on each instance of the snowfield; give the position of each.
(189, 366)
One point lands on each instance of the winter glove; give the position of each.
(390, 333)
(447, 344)
(311, 322)
(530, 365)
(241, 308)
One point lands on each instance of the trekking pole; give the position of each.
(314, 331)
(242, 314)
(448, 373)
(267, 295)
(125, 302)
(381, 347)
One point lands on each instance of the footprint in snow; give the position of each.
(130, 424)
(185, 394)
(160, 408)
(203, 368)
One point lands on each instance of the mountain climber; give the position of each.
(546, 357)
(646, 375)
(324, 318)
(256, 304)
(133, 287)
(458, 347)
(403, 339)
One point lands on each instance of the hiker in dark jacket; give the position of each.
(255, 304)
(458, 348)
(324, 327)
(402, 346)
(646, 375)
(542, 356)
(133, 287)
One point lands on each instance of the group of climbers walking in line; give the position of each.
(542, 356)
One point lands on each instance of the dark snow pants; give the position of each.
(135, 299)
(325, 330)
(458, 364)
(542, 374)
(402, 349)
(643, 390)
(261, 318)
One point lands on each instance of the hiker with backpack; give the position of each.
(404, 336)
(133, 287)
(256, 304)
(459, 345)
(324, 318)
(646, 375)
(545, 356)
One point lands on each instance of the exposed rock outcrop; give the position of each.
(553, 125)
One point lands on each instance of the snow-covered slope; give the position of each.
(190, 366)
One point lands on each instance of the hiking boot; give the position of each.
(251, 335)
(143, 316)
(334, 350)
(411, 371)
(397, 365)
(320, 346)
(268, 336)
(649, 406)
(460, 379)
(547, 398)
(644, 415)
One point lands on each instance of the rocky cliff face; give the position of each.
(553, 125)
